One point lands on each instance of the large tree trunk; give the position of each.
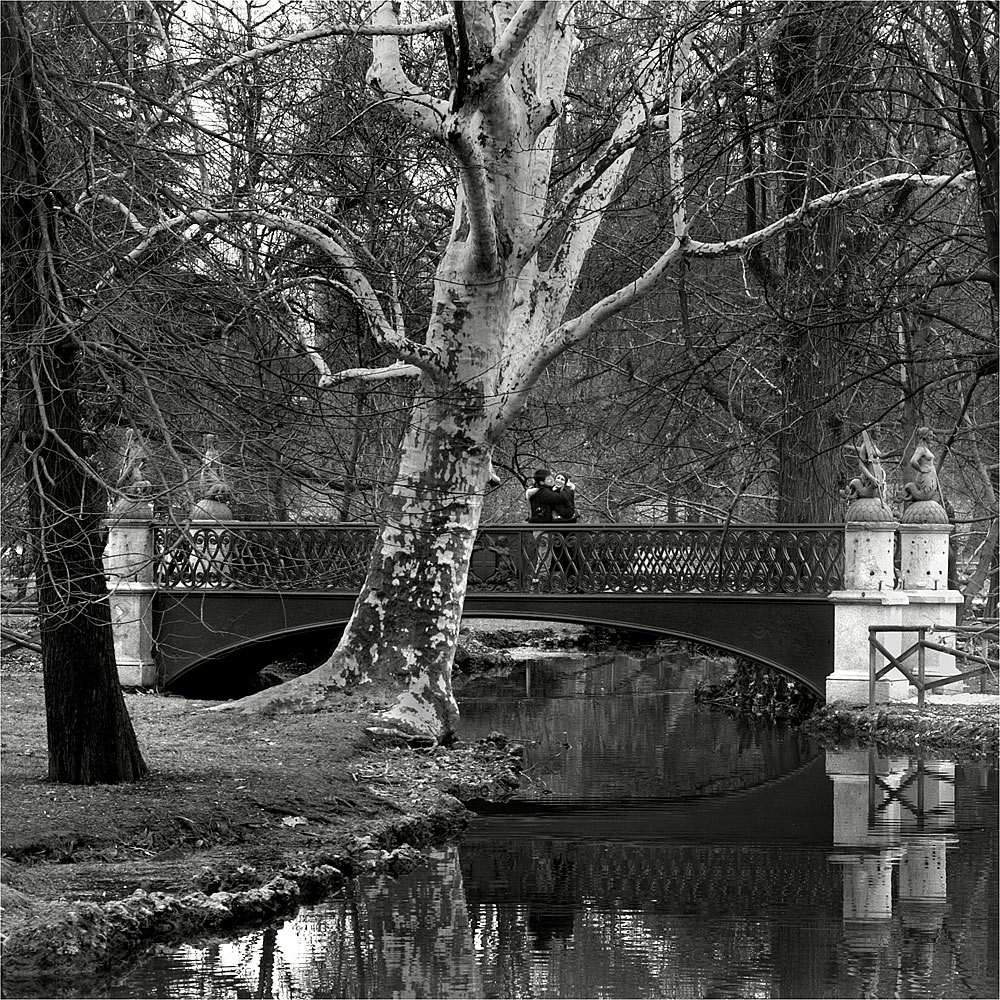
(815, 56)
(398, 647)
(90, 735)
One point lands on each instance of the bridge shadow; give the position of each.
(252, 666)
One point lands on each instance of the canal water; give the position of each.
(659, 850)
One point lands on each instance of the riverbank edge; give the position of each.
(966, 730)
(53, 943)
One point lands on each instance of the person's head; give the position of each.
(561, 479)
(543, 477)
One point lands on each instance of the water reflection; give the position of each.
(662, 852)
(893, 815)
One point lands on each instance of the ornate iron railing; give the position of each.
(577, 558)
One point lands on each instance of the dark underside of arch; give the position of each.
(195, 629)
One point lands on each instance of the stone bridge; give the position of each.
(185, 595)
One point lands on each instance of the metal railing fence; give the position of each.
(795, 559)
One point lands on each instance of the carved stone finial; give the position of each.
(865, 494)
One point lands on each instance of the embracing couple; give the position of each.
(552, 497)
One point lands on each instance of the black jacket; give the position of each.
(548, 504)
(570, 497)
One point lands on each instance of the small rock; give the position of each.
(208, 880)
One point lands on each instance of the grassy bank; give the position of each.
(970, 729)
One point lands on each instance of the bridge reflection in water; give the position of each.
(758, 590)
(711, 889)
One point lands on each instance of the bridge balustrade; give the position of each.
(508, 558)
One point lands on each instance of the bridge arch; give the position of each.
(792, 634)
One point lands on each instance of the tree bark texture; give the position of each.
(90, 735)
(815, 56)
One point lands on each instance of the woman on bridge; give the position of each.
(566, 548)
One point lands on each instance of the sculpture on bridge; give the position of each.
(922, 495)
(865, 494)
(211, 547)
(132, 483)
(924, 485)
(212, 478)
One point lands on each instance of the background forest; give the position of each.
(179, 139)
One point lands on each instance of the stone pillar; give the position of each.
(868, 598)
(924, 536)
(128, 562)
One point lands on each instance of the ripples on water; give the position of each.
(660, 850)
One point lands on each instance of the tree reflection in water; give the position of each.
(676, 853)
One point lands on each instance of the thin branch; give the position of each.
(396, 370)
(730, 248)
(574, 330)
(380, 29)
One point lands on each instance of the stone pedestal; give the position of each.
(854, 611)
(869, 555)
(868, 598)
(924, 538)
(128, 562)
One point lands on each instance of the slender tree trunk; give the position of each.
(90, 735)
